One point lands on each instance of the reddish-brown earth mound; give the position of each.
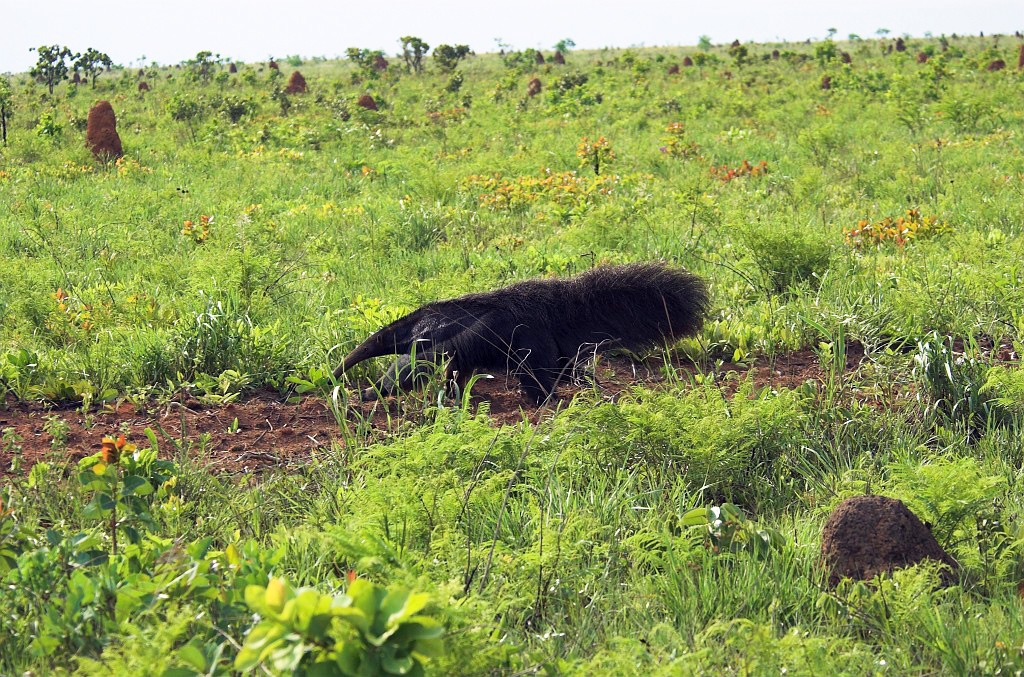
(296, 84)
(534, 87)
(870, 535)
(101, 132)
(366, 101)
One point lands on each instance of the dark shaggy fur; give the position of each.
(538, 329)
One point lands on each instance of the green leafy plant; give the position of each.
(676, 143)
(368, 630)
(187, 109)
(1005, 386)
(788, 256)
(952, 382)
(125, 481)
(58, 429)
(49, 126)
(899, 231)
(726, 528)
(14, 536)
(19, 372)
(12, 447)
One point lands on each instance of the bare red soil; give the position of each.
(272, 432)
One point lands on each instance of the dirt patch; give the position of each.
(266, 430)
(870, 535)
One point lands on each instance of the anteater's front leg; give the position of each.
(407, 373)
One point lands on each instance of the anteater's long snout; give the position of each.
(363, 351)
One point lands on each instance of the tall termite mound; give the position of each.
(101, 133)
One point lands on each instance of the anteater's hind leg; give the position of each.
(582, 368)
(536, 367)
(405, 374)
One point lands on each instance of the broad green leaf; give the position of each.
(193, 657)
(695, 517)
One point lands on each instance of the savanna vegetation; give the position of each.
(860, 197)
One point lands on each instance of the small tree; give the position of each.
(203, 65)
(52, 66)
(6, 106)
(413, 51)
(564, 45)
(92, 63)
(448, 57)
(187, 110)
(740, 54)
(365, 59)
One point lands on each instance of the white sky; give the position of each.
(253, 30)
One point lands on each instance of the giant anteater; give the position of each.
(537, 329)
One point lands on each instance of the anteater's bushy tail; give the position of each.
(642, 304)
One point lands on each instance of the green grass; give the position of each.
(559, 546)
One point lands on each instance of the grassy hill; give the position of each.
(860, 204)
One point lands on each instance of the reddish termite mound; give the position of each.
(101, 133)
(296, 84)
(870, 535)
